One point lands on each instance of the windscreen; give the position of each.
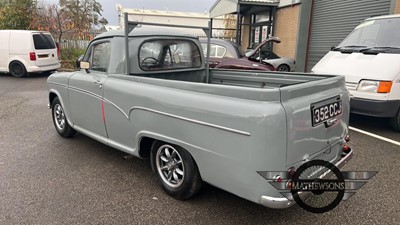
(375, 33)
(43, 41)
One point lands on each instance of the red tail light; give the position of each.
(346, 149)
(32, 56)
(277, 178)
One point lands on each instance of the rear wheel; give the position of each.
(17, 69)
(176, 170)
(60, 120)
(395, 121)
(283, 68)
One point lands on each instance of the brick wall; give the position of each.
(397, 7)
(286, 25)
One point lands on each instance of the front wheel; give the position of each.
(60, 120)
(395, 122)
(176, 170)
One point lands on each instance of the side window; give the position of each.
(221, 51)
(98, 55)
(169, 54)
(216, 51)
(213, 51)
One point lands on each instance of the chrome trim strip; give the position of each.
(112, 103)
(86, 92)
(78, 90)
(193, 121)
(59, 84)
(158, 112)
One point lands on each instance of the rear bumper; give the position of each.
(38, 69)
(375, 108)
(283, 202)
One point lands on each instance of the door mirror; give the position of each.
(78, 61)
(332, 48)
(84, 65)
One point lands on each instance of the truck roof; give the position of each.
(147, 31)
(384, 17)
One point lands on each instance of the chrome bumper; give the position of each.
(283, 202)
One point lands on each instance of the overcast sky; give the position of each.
(110, 12)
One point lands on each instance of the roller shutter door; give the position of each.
(333, 20)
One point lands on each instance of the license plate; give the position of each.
(320, 114)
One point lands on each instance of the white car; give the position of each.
(26, 51)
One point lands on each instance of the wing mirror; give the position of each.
(78, 61)
(85, 66)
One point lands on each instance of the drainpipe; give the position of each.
(309, 34)
(238, 25)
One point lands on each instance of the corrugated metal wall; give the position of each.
(333, 20)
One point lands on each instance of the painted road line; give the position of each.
(375, 136)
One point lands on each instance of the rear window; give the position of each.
(169, 54)
(43, 41)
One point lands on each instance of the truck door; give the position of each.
(86, 90)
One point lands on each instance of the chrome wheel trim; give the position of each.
(59, 117)
(170, 166)
(283, 68)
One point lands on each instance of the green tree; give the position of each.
(16, 14)
(84, 15)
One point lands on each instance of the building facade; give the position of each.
(309, 28)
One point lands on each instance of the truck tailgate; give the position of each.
(317, 119)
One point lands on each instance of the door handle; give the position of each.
(99, 83)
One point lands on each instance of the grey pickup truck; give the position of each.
(151, 95)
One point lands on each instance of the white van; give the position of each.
(23, 52)
(369, 58)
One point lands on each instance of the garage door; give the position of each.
(333, 20)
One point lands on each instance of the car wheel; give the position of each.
(175, 170)
(17, 69)
(60, 120)
(395, 122)
(283, 68)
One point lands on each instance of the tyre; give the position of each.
(395, 122)
(175, 170)
(283, 68)
(17, 69)
(60, 120)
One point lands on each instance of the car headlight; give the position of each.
(374, 86)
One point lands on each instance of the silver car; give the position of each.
(283, 64)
